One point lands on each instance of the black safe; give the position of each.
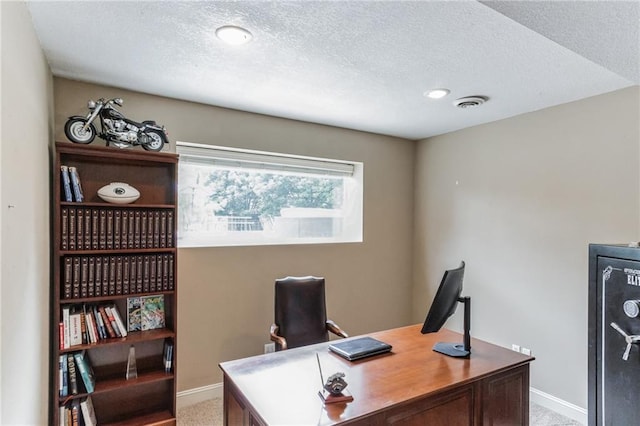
(614, 335)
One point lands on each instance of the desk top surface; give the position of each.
(283, 387)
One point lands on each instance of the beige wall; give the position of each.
(519, 200)
(226, 294)
(27, 116)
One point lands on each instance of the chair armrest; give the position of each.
(278, 339)
(335, 329)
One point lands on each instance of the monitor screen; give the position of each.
(443, 306)
(446, 300)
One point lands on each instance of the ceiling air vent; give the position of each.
(470, 101)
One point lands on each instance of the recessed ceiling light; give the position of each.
(233, 35)
(436, 93)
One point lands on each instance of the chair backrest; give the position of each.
(300, 310)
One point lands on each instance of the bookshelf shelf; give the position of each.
(132, 338)
(104, 257)
(155, 418)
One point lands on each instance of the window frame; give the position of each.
(352, 173)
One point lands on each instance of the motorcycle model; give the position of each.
(115, 128)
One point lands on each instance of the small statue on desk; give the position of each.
(335, 384)
(333, 390)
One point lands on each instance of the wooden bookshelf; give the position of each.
(135, 261)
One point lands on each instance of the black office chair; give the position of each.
(301, 314)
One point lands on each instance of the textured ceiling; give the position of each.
(353, 64)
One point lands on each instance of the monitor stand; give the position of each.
(458, 350)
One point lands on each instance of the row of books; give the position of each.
(84, 228)
(78, 412)
(83, 324)
(71, 186)
(76, 374)
(95, 276)
(89, 323)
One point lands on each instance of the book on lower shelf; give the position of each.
(77, 413)
(85, 370)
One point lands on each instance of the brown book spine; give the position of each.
(75, 284)
(156, 228)
(163, 229)
(124, 231)
(64, 228)
(72, 228)
(106, 271)
(87, 229)
(139, 273)
(170, 239)
(79, 229)
(143, 229)
(102, 236)
(145, 274)
(68, 277)
(84, 276)
(153, 269)
(131, 230)
(83, 328)
(117, 229)
(109, 229)
(137, 229)
(165, 272)
(171, 283)
(97, 287)
(133, 274)
(112, 276)
(106, 321)
(126, 263)
(118, 275)
(95, 229)
(91, 279)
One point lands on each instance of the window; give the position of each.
(229, 197)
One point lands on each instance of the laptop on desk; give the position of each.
(359, 348)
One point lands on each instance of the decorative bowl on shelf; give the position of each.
(118, 193)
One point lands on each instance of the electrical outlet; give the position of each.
(515, 347)
(269, 347)
(526, 351)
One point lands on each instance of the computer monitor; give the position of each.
(444, 305)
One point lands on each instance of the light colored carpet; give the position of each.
(541, 416)
(209, 413)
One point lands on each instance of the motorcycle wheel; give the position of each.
(155, 142)
(73, 130)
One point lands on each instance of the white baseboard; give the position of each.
(567, 409)
(193, 396)
(558, 405)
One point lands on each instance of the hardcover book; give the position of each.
(85, 370)
(134, 319)
(76, 186)
(152, 312)
(145, 313)
(88, 412)
(66, 183)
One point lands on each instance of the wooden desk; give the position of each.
(410, 386)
